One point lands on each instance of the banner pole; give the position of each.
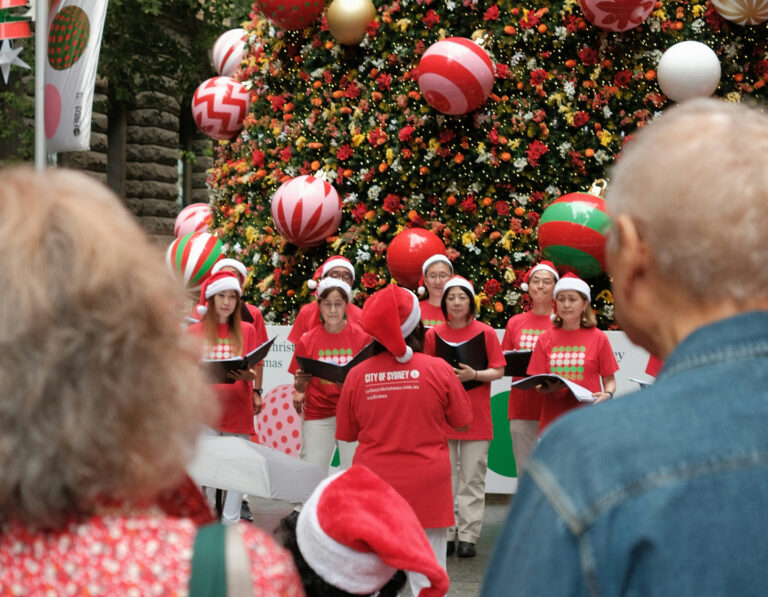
(41, 49)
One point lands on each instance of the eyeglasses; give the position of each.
(437, 276)
(345, 276)
(543, 281)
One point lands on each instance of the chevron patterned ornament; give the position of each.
(306, 210)
(291, 14)
(219, 106)
(228, 51)
(743, 12)
(455, 75)
(192, 256)
(193, 218)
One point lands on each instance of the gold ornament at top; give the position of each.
(348, 20)
(743, 12)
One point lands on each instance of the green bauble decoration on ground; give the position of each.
(68, 37)
(500, 457)
(572, 232)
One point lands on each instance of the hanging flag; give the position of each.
(74, 39)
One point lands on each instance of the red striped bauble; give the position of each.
(219, 107)
(306, 210)
(193, 218)
(192, 256)
(572, 233)
(455, 75)
(229, 51)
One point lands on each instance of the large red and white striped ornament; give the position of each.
(455, 75)
(219, 106)
(306, 210)
(193, 218)
(229, 51)
(192, 256)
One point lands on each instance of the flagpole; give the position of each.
(41, 49)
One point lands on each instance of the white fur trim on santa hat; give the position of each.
(341, 566)
(217, 286)
(233, 263)
(408, 326)
(436, 258)
(459, 281)
(338, 262)
(327, 283)
(571, 282)
(537, 268)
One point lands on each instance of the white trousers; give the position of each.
(470, 457)
(523, 434)
(438, 539)
(318, 442)
(233, 500)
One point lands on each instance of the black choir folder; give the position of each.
(472, 353)
(517, 362)
(218, 370)
(581, 393)
(333, 372)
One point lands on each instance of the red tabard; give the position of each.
(482, 424)
(583, 356)
(431, 315)
(236, 399)
(522, 333)
(398, 412)
(317, 343)
(309, 317)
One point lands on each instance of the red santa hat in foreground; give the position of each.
(214, 284)
(355, 531)
(436, 258)
(327, 266)
(327, 283)
(547, 266)
(234, 264)
(390, 315)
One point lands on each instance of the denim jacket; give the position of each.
(663, 492)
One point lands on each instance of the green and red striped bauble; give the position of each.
(192, 256)
(572, 233)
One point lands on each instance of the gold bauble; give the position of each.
(348, 20)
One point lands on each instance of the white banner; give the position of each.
(74, 39)
(279, 427)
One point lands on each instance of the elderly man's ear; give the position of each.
(630, 259)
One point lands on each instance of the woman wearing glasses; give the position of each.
(435, 272)
(337, 267)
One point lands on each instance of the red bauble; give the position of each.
(219, 106)
(407, 251)
(616, 15)
(455, 75)
(306, 210)
(291, 14)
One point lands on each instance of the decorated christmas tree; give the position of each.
(567, 96)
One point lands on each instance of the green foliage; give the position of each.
(566, 97)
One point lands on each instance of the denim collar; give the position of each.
(743, 336)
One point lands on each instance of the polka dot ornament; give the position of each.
(278, 426)
(68, 37)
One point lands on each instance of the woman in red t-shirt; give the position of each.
(337, 341)
(225, 336)
(522, 333)
(468, 450)
(575, 349)
(435, 272)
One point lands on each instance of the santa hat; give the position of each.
(328, 265)
(234, 264)
(327, 283)
(459, 281)
(436, 258)
(390, 315)
(572, 282)
(214, 284)
(547, 266)
(355, 531)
